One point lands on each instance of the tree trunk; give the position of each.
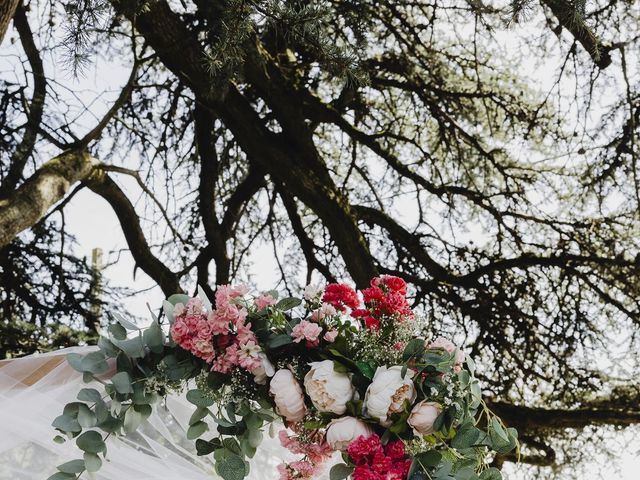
(7, 9)
(29, 203)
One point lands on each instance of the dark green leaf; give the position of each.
(199, 399)
(231, 467)
(414, 348)
(122, 382)
(491, 474)
(118, 331)
(279, 341)
(91, 442)
(288, 303)
(340, 471)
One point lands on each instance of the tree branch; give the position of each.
(49, 184)
(104, 186)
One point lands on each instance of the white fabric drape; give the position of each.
(35, 389)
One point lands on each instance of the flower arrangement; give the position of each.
(344, 373)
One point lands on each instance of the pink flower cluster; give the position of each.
(386, 297)
(315, 454)
(375, 462)
(221, 337)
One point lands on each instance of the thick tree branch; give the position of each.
(7, 10)
(566, 14)
(129, 220)
(49, 184)
(290, 160)
(528, 418)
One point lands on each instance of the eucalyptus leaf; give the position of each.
(74, 466)
(231, 467)
(124, 322)
(340, 471)
(153, 337)
(91, 442)
(122, 382)
(62, 476)
(67, 423)
(89, 395)
(92, 462)
(196, 430)
(86, 418)
(199, 399)
(117, 331)
(132, 420)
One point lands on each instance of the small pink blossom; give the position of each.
(331, 336)
(264, 301)
(249, 355)
(308, 331)
(326, 310)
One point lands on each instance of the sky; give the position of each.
(94, 224)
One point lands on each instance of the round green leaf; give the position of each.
(196, 430)
(199, 399)
(91, 442)
(231, 467)
(92, 462)
(122, 382)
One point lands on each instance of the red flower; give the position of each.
(375, 463)
(341, 296)
(394, 450)
(371, 323)
(359, 312)
(373, 295)
(364, 472)
(394, 302)
(395, 284)
(381, 463)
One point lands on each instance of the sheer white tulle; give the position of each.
(158, 451)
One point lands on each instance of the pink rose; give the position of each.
(308, 331)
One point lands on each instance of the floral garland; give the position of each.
(345, 374)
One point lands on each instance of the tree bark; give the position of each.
(28, 204)
(7, 9)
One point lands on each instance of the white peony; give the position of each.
(329, 390)
(265, 370)
(342, 431)
(287, 396)
(423, 416)
(387, 393)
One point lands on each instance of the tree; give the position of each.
(361, 138)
